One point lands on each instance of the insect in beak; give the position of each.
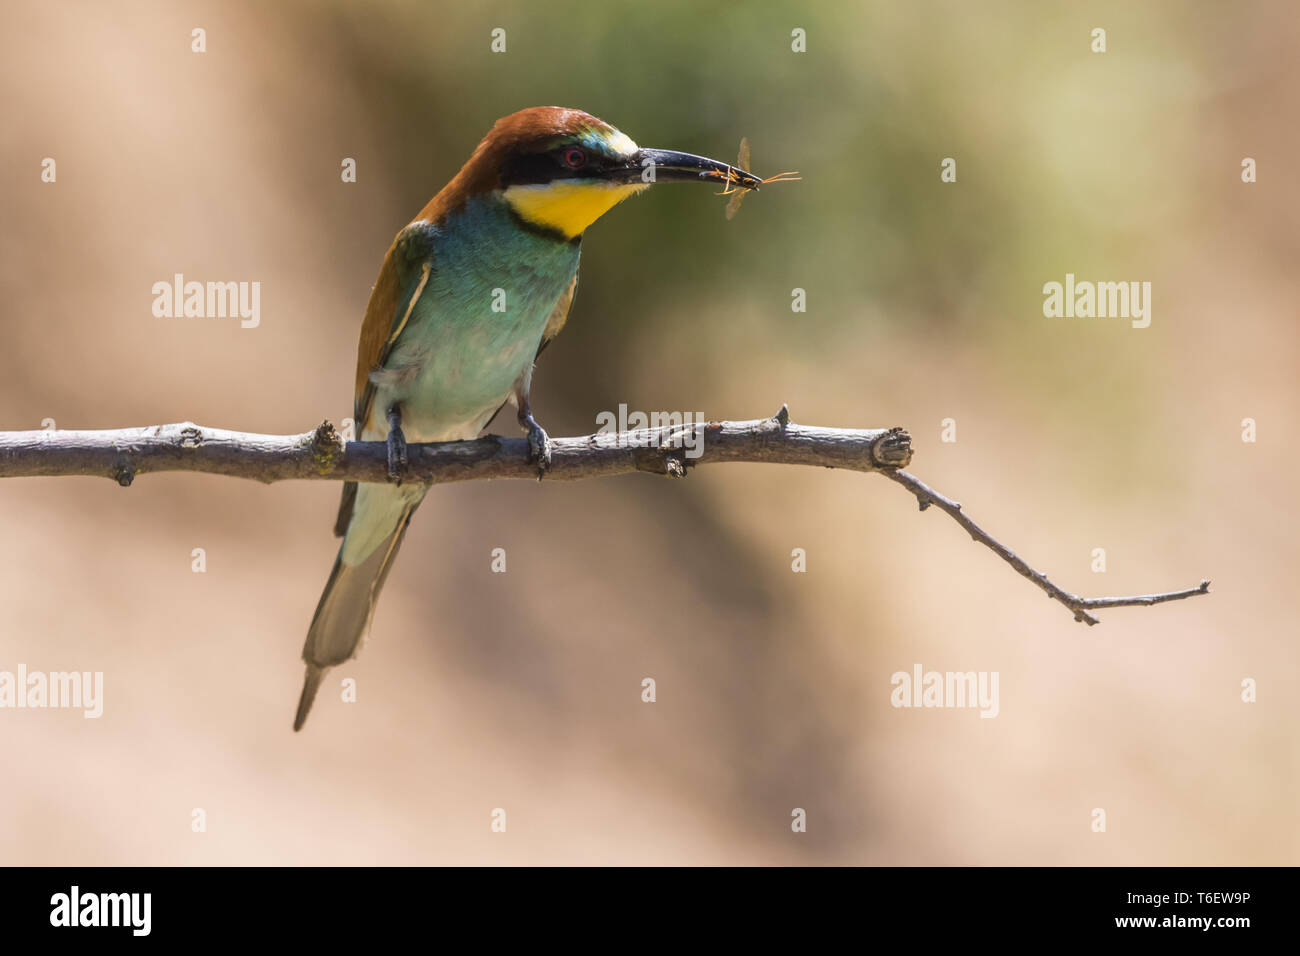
(732, 184)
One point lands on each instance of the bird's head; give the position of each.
(561, 169)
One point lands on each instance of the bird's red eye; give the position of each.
(575, 158)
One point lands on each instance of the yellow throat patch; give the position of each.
(569, 207)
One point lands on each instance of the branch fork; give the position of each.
(321, 454)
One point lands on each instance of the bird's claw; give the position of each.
(539, 444)
(397, 460)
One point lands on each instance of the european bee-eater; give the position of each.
(468, 296)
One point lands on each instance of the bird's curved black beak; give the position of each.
(669, 166)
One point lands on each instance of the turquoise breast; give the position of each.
(476, 326)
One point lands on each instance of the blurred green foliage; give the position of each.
(1060, 167)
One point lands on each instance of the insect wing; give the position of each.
(742, 162)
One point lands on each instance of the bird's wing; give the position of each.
(402, 279)
(559, 315)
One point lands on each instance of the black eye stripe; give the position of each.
(530, 169)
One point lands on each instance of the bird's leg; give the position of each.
(539, 443)
(396, 445)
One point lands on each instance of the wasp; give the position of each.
(736, 191)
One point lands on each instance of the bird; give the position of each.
(469, 294)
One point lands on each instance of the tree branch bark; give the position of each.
(125, 453)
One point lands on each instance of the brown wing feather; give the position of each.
(375, 331)
(559, 315)
(379, 330)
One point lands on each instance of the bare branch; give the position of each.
(123, 454)
(926, 496)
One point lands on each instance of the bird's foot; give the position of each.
(397, 460)
(539, 443)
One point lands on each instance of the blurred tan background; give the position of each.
(522, 690)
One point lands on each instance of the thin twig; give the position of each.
(123, 454)
(926, 496)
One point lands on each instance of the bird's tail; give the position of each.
(374, 533)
